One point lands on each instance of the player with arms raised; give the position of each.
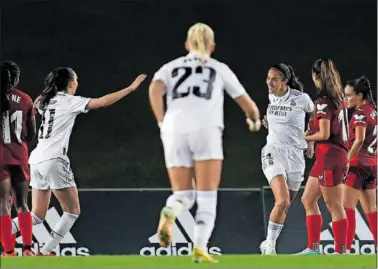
(191, 132)
(49, 163)
(329, 129)
(361, 182)
(17, 130)
(282, 158)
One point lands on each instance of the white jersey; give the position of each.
(286, 118)
(58, 119)
(195, 92)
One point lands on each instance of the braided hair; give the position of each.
(362, 85)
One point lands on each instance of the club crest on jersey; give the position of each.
(292, 103)
(320, 108)
(359, 118)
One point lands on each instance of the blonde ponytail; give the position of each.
(201, 36)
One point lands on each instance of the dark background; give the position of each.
(109, 43)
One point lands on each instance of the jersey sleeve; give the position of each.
(358, 119)
(322, 109)
(78, 104)
(308, 104)
(232, 84)
(162, 74)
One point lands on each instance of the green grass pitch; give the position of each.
(225, 261)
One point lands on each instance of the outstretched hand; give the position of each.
(137, 82)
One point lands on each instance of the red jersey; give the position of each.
(365, 116)
(13, 144)
(335, 147)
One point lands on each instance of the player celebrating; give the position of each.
(361, 181)
(17, 129)
(330, 131)
(49, 163)
(191, 132)
(282, 158)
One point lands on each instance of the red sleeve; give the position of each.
(323, 110)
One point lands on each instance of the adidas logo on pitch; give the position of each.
(41, 234)
(363, 245)
(182, 240)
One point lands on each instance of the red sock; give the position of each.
(351, 217)
(314, 228)
(372, 219)
(6, 233)
(26, 223)
(340, 229)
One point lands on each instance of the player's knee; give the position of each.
(308, 202)
(282, 204)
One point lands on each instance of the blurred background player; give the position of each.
(329, 129)
(282, 158)
(191, 132)
(49, 163)
(17, 129)
(361, 182)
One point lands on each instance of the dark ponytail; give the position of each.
(56, 81)
(10, 76)
(287, 72)
(362, 85)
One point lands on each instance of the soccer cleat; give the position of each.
(309, 251)
(167, 219)
(47, 255)
(28, 252)
(202, 256)
(267, 249)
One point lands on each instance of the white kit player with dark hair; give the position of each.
(191, 132)
(282, 157)
(49, 163)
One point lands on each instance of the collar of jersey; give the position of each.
(195, 54)
(285, 96)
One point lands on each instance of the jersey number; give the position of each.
(373, 145)
(343, 119)
(16, 119)
(50, 122)
(195, 89)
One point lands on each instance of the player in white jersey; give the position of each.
(191, 132)
(283, 156)
(49, 163)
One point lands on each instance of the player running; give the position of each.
(17, 129)
(191, 132)
(49, 163)
(361, 181)
(282, 158)
(329, 129)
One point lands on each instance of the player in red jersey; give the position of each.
(330, 133)
(361, 181)
(18, 128)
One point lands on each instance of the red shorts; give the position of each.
(362, 177)
(18, 172)
(328, 177)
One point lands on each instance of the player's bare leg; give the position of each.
(5, 218)
(368, 201)
(208, 176)
(333, 199)
(182, 199)
(69, 200)
(310, 199)
(21, 189)
(350, 200)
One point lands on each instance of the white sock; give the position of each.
(274, 230)
(64, 224)
(180, 201)
(205, 218)
(16, 226)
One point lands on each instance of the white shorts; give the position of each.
(288, 162)
(52, 174)
(182, 149)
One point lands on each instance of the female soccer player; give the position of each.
(49, 163)
(191, 132)
(17, 129)
(361, 181)
(330, 132)
(282, 158)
